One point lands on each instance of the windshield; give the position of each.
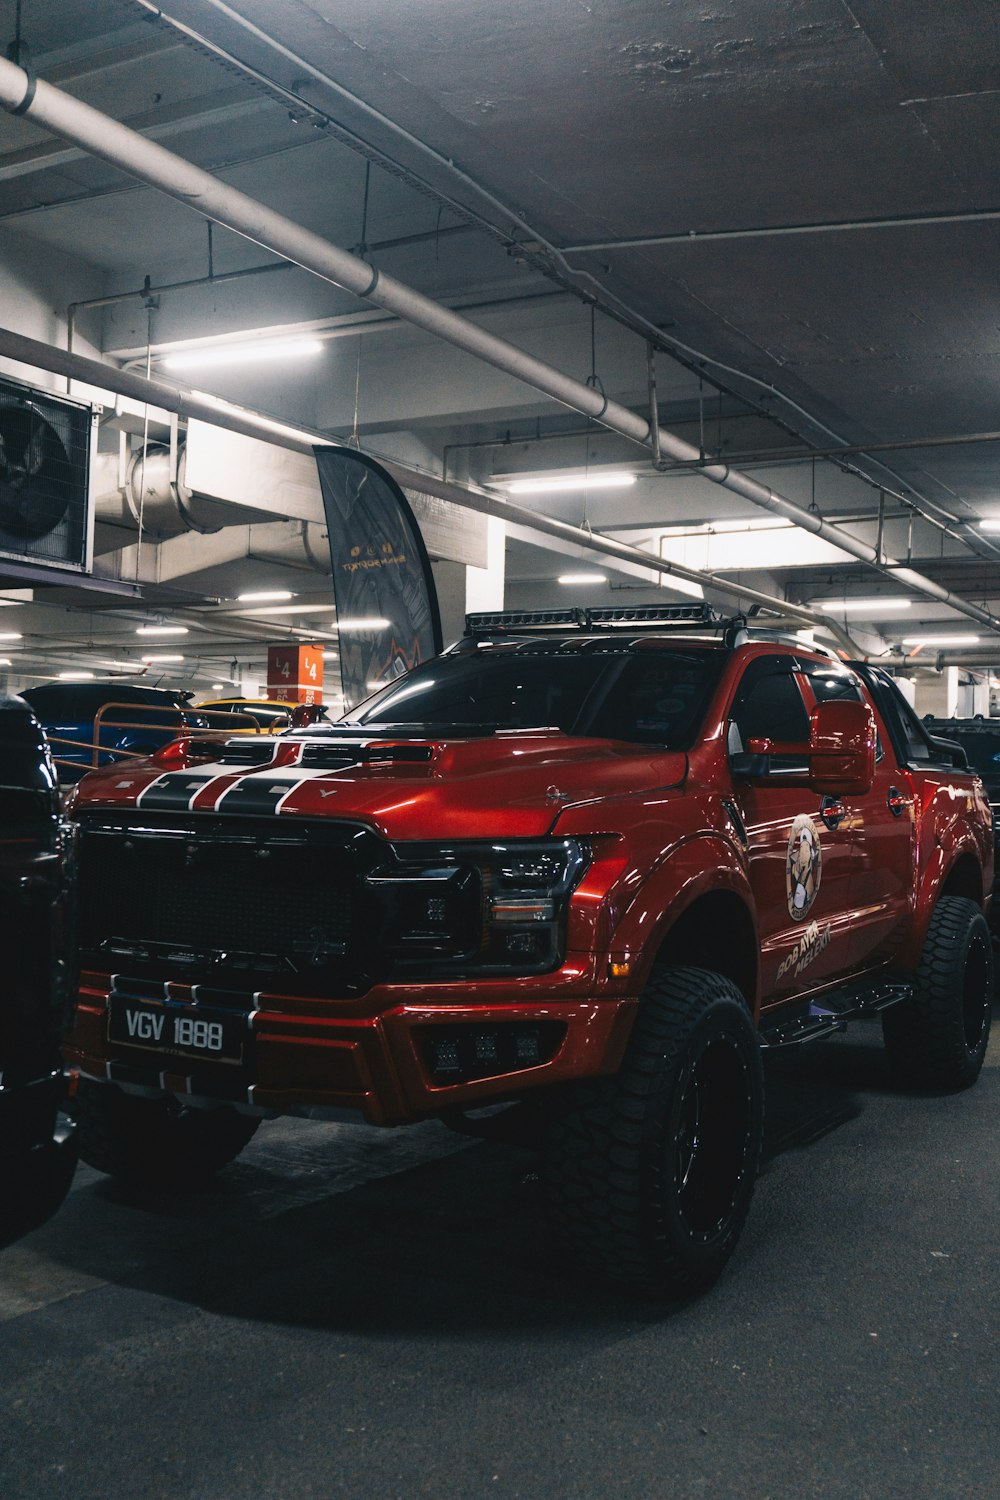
(654, 697)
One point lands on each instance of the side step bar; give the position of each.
(825, 1016)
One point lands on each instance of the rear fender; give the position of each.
(957, 865)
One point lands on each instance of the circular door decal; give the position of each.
(803, 866)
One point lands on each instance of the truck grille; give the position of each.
(208, 901)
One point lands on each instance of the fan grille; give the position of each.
(44, 476)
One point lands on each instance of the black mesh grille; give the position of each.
(195, 896)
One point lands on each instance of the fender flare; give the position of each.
(957, 841)
(701, 865)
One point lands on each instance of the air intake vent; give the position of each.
(239, 753)
(45, 447)
(332, 756)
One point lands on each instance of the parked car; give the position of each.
(92, 724)
(248, 715)
(980, 739)
(37, 1139)
(586, 864)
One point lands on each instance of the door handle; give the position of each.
(832, 811)
(897, 802)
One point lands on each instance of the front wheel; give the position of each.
(937, 1038)
(160, 1141)
(650, 1177)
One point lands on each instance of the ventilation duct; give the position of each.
(153, 495)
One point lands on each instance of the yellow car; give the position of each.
(247, 715)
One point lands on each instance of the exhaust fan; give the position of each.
(45, 453)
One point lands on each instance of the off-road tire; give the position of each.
(937, 1038)
(650, 1177)
(161, 1142)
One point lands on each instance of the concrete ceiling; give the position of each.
(798, 201)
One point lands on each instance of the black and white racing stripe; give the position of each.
(249, 793)
(176, 790)
(266, 794)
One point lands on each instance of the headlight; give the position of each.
(479, 908)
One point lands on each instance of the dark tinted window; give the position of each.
(658, 697)
(770, 706)
(507, 691)
(647, 696)
(829, 684)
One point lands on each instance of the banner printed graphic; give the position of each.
(380, 571)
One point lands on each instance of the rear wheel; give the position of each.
(937, 1038)
(650, 1177)
(159, 1141)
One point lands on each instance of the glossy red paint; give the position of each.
(793, 879)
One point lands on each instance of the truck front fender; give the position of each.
(695, 907)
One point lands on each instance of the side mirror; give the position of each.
(842, 748)
(305, 714)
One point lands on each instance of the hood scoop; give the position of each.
(329, 757)
(247, 753)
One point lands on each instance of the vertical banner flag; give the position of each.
(387, 607)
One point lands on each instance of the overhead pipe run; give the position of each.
(131, 152)
(19, 347)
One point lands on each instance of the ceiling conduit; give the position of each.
(132, 153)
(189, 404)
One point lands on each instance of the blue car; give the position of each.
(86, 723)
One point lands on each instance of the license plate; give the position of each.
(181, 1030)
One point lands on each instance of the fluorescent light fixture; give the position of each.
(990, 523)
(940, 640)
(570, 482)
(5, 661)
(251, 353)
(264, 594)
(362, 622)
(217, 687)
(75, 676)
(888, 605)
(569, 578)
(162, 658)
(162, 630)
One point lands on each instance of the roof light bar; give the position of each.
(586, 619)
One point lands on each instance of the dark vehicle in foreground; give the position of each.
(37, 1141)
(980, 739)
(588, 864)
(91, 724)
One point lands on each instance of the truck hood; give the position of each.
(505, 785)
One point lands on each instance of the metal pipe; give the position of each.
(151, 163)
(18, 346)
(552, 261)
(836, 226)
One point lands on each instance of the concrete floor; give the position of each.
(379, 1315)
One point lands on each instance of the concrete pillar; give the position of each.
(938, 695)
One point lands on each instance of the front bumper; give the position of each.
(402, 1059)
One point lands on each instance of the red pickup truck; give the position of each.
(591, 863)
